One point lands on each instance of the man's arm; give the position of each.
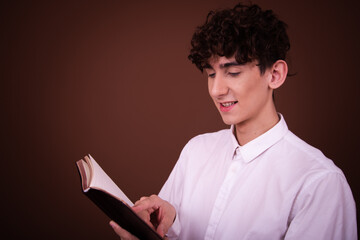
(324, 210)
(155, 211)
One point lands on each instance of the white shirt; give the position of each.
(274, 187)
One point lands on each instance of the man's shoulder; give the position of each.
(300, 145)
(210, 140)
(211, 137)
(299, 150)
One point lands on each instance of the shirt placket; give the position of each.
(222, 198)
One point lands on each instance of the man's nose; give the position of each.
(218, 87)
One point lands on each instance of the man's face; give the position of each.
(241, 94)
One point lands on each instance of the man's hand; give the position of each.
(122, 233)
(157, 213)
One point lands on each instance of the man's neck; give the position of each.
(253, 128)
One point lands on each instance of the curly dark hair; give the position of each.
(246, 32)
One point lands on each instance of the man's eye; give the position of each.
(211, 75)
(234, 74)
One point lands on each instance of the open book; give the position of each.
(99, 187)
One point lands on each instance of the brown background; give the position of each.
(111, 78)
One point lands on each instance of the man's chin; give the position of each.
(228, 121)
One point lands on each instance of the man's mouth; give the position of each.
(228, 104)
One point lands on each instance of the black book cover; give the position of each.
(120, 212)
(122, 215)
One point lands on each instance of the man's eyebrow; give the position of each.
(230, 64)
(224, 65)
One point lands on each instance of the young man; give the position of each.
(256, 180)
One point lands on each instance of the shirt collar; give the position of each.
(254, 148)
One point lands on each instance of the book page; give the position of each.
(84, 170)
(100, 180)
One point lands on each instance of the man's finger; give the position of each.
(147, 203)
(164, 223)
(122, 233)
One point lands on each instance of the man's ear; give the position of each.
(279, 72)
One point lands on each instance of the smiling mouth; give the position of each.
(228, 104)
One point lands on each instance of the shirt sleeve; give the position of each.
(324, 210)
(172, 191)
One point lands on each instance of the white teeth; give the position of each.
(228, 104)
